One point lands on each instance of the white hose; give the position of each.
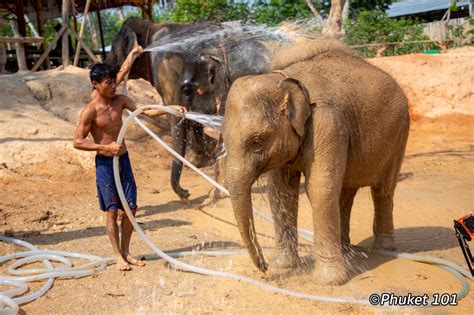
(49, 273)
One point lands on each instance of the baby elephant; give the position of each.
(341, 122)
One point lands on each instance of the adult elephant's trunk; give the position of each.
(240, 185)
(178, 132)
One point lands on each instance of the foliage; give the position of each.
(269, 12)
(470, 33)
(6, 30)
(202, 10)
(460, 34)
(276, 11)
(357, 6)
(376, 27)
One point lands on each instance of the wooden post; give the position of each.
(40, 20)
(20, 49)
(65, 44)
(81, 33)
(101, 34)
(150, 9)
(20, 15)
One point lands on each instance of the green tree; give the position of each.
(275, 11)
(204, 10)
(356, 6)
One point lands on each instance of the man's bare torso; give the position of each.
(107, 122)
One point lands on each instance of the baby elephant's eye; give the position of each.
(256, 143)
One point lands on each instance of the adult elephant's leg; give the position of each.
(283, 191)
(345, 207)
(178, 132)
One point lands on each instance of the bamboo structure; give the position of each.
(40, 11)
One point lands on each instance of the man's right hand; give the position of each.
(137, 50)
(180, 109)
(113, 148)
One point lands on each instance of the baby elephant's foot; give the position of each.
(284, 259)
(330, 272)
(384, 241)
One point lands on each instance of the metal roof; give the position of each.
(412, 7)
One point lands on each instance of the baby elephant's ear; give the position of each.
(296, 101)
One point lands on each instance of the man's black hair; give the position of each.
(100, 71)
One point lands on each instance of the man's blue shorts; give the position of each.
(106, 189)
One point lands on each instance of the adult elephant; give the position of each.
(166, 70)
(341, 122)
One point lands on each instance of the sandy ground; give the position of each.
(48, 198)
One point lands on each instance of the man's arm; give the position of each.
(83, 129)
(132, 106)
(127, 64)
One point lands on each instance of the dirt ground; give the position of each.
(48, 198)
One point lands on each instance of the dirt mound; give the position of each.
(39, 113)
(436, 85)
(64, 93)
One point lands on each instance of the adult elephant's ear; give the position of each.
(131, 41)
(296, 102)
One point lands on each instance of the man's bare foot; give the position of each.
(122, 264)
(134, 261)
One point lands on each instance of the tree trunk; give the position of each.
(31, 26)
(345, 13)
(315, 12)
(345, 10)
(333, 26)
(120, 14)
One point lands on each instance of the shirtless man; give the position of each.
(102, 118)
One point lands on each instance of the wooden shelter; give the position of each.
(37, 12)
